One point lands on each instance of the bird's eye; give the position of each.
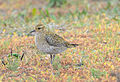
(39, 28)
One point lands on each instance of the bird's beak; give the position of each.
(32, 31)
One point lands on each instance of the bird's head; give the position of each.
(39, 28)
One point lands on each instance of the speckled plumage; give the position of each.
(46, 44)
(49, 42)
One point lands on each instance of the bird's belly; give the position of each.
(50, 49)
(44, 47)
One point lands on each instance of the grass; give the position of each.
(93, 24)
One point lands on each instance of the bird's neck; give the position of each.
(40, 35)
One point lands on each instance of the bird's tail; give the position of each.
(72, 45)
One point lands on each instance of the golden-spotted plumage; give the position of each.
(49, 42)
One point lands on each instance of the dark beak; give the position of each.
(32, 31)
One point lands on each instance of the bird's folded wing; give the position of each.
(55, 40)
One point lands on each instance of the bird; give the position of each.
(49, 42)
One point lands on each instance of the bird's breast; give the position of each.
(41, 43)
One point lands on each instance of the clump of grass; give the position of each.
(69, 79)
(57, 3)
(57, 64)
(96, 73)
(13, 63)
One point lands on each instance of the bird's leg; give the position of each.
(51, 58)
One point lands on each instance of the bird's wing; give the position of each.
(55, 40)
